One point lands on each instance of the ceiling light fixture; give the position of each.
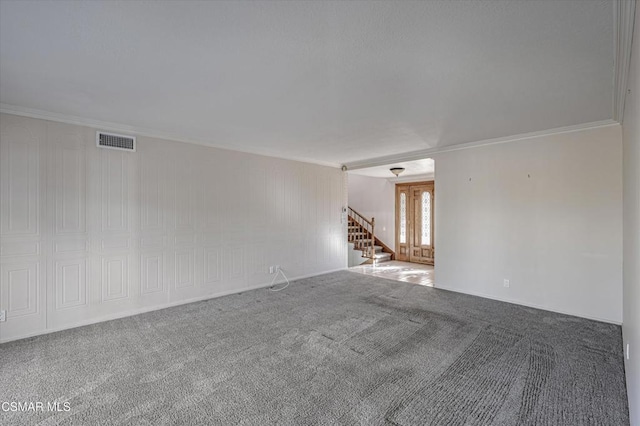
(397, 170)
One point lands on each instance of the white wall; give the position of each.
(375, 197)
(89, 234)
(556, 235)
(631, 273)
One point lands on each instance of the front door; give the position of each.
(414, 222)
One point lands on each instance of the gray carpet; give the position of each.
(341, 348)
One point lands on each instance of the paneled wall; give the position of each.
(89, 234)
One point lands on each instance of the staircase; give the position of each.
(362, 235)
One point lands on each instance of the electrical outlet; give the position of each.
(3, 316)
(274, 269)
(506, 283)
(627, 351)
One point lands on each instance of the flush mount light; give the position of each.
(396, 170)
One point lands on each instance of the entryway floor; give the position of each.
(414, 273)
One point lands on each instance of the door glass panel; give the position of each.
(403, 218)
(426, 218)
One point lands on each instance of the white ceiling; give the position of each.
(424, 167)
(327, 82)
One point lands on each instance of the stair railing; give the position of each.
(364, 239)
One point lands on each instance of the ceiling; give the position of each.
(424, 167)
(326, 82)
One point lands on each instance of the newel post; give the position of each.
(373, 239)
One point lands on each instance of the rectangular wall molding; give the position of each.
(186, 239)
(153, 241)
(19, 179)
(152, 272)
(115, 278)
(20, 248)
(70, 245)
(115, 191)
(236, 262)
(70, 283)
(184, 267)
(152, 193)
(19, 283)
(70, 183)
(115, 243)
(212, 273)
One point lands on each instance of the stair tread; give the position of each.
(380, 255)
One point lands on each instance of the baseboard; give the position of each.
(139, 311)
(529, 305)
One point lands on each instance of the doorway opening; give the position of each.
(408, 233)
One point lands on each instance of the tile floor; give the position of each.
(399, 271)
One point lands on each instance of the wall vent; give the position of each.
(114, 141)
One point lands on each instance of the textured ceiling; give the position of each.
(328, 82)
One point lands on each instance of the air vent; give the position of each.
(113, 141)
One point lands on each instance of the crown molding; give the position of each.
(141, 131)
(427, 153)
(623, 20)
(379, 161)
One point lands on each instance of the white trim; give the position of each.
(428, 153)
(529, 305)
(159, 307)
(141, 131)
(623, 21)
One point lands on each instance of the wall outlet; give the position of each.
(627, 351)
(271, 270)
(506, 283)
(3, 315)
